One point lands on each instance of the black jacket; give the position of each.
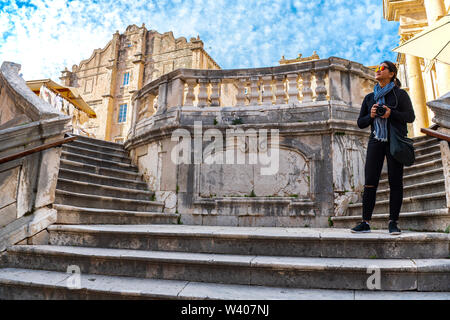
(402, 111)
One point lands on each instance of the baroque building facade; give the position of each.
(425, 80)
(130, 60)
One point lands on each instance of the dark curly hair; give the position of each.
(393, 68)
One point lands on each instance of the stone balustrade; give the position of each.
(297, 84)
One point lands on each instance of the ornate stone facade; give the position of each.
(298, 119)
(130, 60)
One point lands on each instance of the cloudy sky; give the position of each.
(45, 36)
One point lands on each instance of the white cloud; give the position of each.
(53, 34)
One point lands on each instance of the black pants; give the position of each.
(376, 152)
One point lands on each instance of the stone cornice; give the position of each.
(163, 125)
(393, 9)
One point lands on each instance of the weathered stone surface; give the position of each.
(39, 238)
(8, 186)
(25, 227)
(35, 284)
(445, 153)
(441, 110)
(296, 272)
(301, 242)
(27, 184)
(19, 99)
(8, 214)
(48, 177)
(169, 199)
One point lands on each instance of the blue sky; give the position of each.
(45, 36)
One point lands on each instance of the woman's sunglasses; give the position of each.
(380, 68)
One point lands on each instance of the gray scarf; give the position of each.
(380, 124)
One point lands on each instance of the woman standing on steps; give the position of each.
(396, 110)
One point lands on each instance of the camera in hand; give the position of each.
(380, 111)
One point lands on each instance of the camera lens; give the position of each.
(380, 111)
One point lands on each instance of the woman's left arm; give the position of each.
(404, 113)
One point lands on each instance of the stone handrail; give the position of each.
(294, 84)
(27, 178)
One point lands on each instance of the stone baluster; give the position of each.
(321, 90)
(306, 91)
(293, 88)
(175, 93)
(280, 93)
(190, 96)
(215, 94)
(254, 94)
(267, 90)
(240, 97)
(203, 93)
(155, 103)
(162, 97)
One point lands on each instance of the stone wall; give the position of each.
(281, 149)
(27, 184)
(145, 55)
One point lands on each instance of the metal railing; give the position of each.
(37, 149)
(432, 132)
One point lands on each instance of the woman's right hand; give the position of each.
(373, 111)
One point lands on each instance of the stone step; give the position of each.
(427, 149)
(80, 215)
(20, 284)
(103, 190)
(98, 162)
(99, 148)
(423, 202)
(89, 168)
(416, 178)
(96, 155)
(432, 220)
(293, 272)
(104, 202)
(101, 179)
(118, 146)
(294, 242)
(416, 168)
(428, 157)
(429, 141)
(430, 187)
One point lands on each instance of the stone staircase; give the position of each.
(126, 248)
(424, 202)
(98, 184)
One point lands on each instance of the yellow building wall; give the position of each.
(145, 55)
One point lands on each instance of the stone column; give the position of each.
(436, 9)
(417, 93)
(110, 95)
